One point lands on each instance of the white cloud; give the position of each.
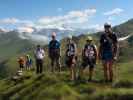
(17, 22)
(25, 29)
(96, 27)
(41, 39)
(36, 38)
(4, 29)
(115, 11)
(70, 19)
(9, 21)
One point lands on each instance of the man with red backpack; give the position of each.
(89, 57)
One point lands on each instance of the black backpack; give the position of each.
(70, 47)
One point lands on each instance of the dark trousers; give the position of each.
(39, 66)
(55, 61)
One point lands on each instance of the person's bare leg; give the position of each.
(52, 66)
(72, 72)
(27, 68)
(105, 65)
(90, 73)
(111, 71)
(58, 64)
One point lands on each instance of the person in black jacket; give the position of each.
(108, 51)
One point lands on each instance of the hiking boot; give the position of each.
(106, 80)
(111, 80)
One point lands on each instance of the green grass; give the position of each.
(49, 86)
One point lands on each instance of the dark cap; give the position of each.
(106, 25)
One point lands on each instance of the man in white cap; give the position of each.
(89, 57)
(71, 57)
(54, 53)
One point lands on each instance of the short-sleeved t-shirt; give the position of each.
(107, 42)
(54, 44)
(39, 53)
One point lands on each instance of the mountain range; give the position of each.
(14, 42)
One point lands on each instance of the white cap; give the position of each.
(89, 38)
(70, 36)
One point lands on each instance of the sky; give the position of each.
(23, 15)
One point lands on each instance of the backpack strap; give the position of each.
(92, 46)
(95, 49)
(69, 46)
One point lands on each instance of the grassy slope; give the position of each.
(10, 48)
(11, 45)
(54, 86)
(58, 87)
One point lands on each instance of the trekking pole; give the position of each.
(115, 64)
(115, 70)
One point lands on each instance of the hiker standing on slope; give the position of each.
(21, 62)
(108, 51)
(71, 57)
(89, 57)
(54, 53)
(39, 56)
(28, 62)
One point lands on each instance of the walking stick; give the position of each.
(115, 70)
(115, 63)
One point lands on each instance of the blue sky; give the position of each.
(24, 14)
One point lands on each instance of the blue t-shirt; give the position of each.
(54, 44)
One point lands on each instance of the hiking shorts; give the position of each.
(54, 54)
(69, 60)
(21, 65)
(107, 56)
(28, 63)
(88, 62)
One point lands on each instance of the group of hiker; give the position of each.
(107, 53)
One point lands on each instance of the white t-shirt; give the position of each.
(39, 54)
